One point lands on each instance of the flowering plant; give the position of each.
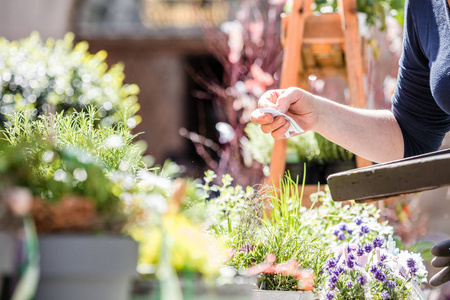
(375, 270)
(57, 75)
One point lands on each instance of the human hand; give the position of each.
(295, 102)
(442, 260)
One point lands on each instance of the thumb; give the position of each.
(287, 98)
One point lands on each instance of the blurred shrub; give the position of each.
(55, 75)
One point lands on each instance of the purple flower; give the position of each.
(383, 257)
(341, 236)
(350, 231)
(339, 270)
(343, 227)
(380, 276)
(349, 284)
(350, 264)
(391, 284)
(331, 286)
(373, 269)
(336, 232)
(410, 263)
(385, 295)
(365, 229)
(413, 271)
(357, 220)
(368, 248)
(331, 263)
(351, 257)
(378, 241)
(333, 279)
(360, 251)
(330, 296)
(380, 264)
(362, 280)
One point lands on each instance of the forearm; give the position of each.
(372, 134)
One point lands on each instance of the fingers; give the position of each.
(279, 123)
(261, 118)
(440, 262)
(279, 133)
(441, 249)
(441, 277)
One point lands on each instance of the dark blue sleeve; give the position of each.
(422, 122)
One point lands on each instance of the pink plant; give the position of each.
(250, 53)
(290, 268)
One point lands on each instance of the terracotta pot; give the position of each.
(77, 267)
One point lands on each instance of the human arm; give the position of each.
(374, 135)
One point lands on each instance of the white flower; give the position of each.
(60, 175)
(80, 174)
(156, 202)
(150, 180)
(226, 132)
(114, 141)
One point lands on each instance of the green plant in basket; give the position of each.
(113, 145)
(57, 75)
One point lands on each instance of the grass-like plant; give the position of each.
(113, 145)
(307, 147)
(257, 235)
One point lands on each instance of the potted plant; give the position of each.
(286, 260)
(80, 174)
(276, 249)
(72, 199)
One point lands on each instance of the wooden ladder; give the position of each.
(302, 33)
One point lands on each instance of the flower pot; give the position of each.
(86, 267)
(7, 258)
(313, 171)
(282, 295)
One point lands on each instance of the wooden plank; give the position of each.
(324, 28)
(289, 76)
(353, 52)
(354, 60)
(400, 177)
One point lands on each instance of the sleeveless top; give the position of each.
(421, 101)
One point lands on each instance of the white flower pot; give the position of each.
(282, 295)
(75, 267)
(7, 257)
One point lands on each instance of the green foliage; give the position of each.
(307, 147)
(376, 10)
(330, 152)
(112, 145)
(58, 76)
(51, 173)
(253, 236)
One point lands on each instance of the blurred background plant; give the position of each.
(249, 50)
(113, 145)
(56, 75)
(321, 156)
(375, 10)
